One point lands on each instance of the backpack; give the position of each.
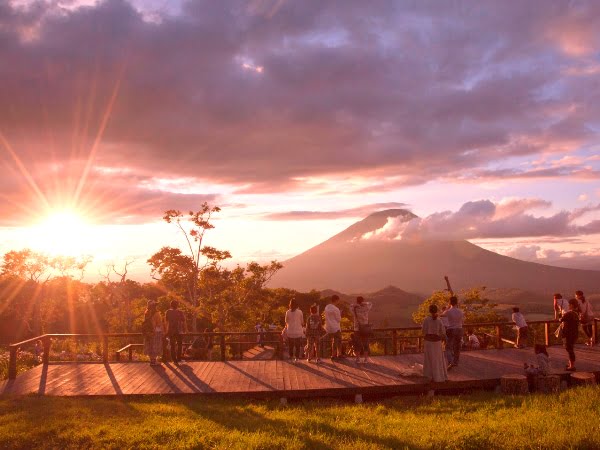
(147, 326)
(314, 323)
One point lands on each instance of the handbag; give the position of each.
(559, 332)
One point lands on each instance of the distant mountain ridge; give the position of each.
(347, 263)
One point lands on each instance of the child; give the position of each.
(521, 327)
(543, 362)
(314, 330)
(472, 340)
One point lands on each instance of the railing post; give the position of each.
(105, 349)
(223, 347)
(394, 342)
(547, 333)
(47, 342)
(419, 344)
(12, 363)
(499, 336)
(130, 351)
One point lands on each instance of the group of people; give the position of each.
(313, 331)
(447, 327)
(305, 337)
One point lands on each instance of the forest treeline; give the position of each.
(42, 294)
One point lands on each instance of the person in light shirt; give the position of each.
(454, 331)
(294, 322)
(521, 326)
(333, 319)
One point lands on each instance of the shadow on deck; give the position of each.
(480, 369)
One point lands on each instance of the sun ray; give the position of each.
(24, 172)
(98, 138)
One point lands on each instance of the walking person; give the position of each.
(362, 328)
(176, 326)
(570, 324)
(454, 332)
(314, 330)
(586, 316)
(434, 363)
(294, 321)
(152, 329)
(522, 328)
(333, 319)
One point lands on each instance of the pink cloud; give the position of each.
(341, 90)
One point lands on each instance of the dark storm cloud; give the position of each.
(264, 94)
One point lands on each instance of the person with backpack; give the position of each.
(152, 329)
(314, 331)
(176, 326)
(362, 328)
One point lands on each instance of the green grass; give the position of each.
(477, 421)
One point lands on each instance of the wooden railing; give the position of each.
(393, 340)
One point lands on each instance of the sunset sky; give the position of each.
(299, 118)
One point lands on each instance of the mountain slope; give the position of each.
(349, 264)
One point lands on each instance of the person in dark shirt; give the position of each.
(176, 326)
(570, 324)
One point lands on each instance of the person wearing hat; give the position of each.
(152, 328)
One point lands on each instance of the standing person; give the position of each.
(314, 330)
(454, 332)
(333, 319)
(362, 328)
(561, 306)
(570, 323)
(586, 316)
(260, 336)
(152, 328)
(434, 363)
(176, 326)
(294, 320)
(522, 328)
(39, 350)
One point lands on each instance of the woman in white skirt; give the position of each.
(434, 364)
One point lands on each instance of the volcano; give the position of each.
(348, 263)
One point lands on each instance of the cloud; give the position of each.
(576, 259)
(260, 97)
(485, 219)
(360, 211)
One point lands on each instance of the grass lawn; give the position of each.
(476, 421)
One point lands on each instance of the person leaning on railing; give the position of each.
(586, 316)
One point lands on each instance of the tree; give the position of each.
(39, 269)
(197, 276)
(476, 307)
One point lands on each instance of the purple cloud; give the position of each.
(428, 91)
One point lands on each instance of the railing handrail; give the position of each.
(257, 333)
(47, 338)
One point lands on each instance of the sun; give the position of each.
(63, 233)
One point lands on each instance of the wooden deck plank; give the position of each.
(274, 377)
